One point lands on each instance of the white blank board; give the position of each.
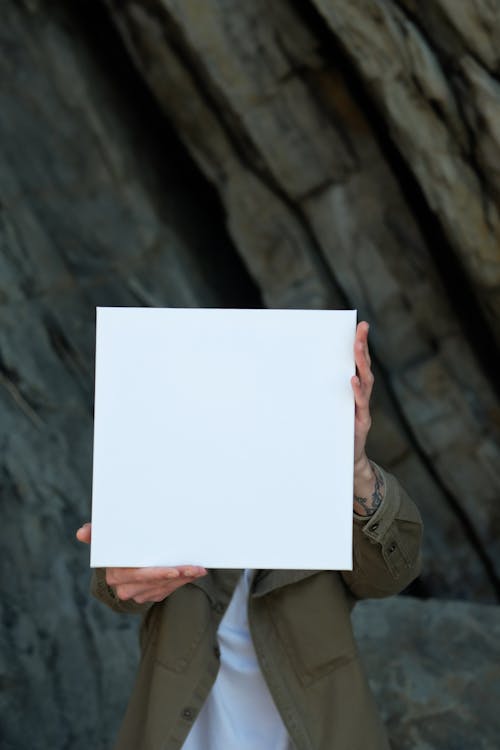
(223, 438)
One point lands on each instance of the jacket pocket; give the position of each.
(313, 624)
(182, 623)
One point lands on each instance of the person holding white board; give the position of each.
(266, 659)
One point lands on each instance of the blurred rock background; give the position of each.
(312, 154)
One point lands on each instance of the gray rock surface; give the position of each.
(434, 667)
(317, 213)
(95, 210)
(100, 205)
(401, 62)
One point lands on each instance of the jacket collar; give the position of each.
(263, 582)
(218, 582)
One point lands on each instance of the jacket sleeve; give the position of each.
(106, 594)
(386, 546)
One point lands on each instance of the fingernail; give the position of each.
(195, 572)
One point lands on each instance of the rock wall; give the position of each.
(317, 136)
(333, 155)
(97, 208)
(434, 667)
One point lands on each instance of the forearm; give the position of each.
(369, 487)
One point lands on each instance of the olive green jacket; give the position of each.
(301, 629)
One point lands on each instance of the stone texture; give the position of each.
(100, 205)
(91, 214)
(423, 112)
(320, 220)
(434, 667)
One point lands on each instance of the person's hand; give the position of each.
(362, 385)
(145, 584)
(369, 487)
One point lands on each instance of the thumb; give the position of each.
(84, 533)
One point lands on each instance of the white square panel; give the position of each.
(223, 438)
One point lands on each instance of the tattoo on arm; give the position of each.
(371, 504)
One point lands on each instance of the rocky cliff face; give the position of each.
(342, 127)
(434, 667)
(333, 154)
(98, 208)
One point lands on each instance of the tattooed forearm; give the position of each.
(368, 506)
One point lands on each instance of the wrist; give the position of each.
(363, 471)
(369, 487)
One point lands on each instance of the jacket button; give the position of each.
(217, 652)
(391, 547)
(188, 714)
(374, 526)
(219, 607)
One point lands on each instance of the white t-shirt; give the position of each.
(239, 713)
